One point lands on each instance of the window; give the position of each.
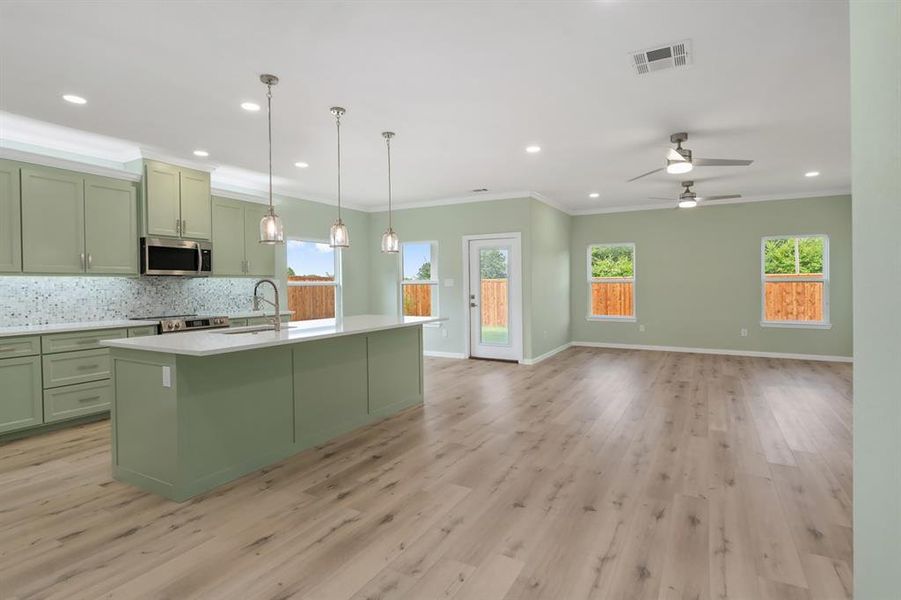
(611, 282)
(419, 279)
(314, 283)
(795, 273)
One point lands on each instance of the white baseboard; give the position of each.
(435, 354)
(546, 355)
(753, 353)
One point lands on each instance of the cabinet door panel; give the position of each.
(228, 237)
(260, 257)
(77, 400)
(111, 226)
(163, 205)
(10, 219)
(52, 221)
(195, 205)
(20, 402)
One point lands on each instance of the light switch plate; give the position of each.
(167, 377)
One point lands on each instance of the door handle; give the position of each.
(472, 304)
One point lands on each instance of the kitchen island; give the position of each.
(194, 410)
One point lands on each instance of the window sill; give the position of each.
(795, 325)
(612, 319)
(432, 325)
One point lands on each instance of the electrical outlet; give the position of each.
(641, 327)
(167, 377)
(744, 332)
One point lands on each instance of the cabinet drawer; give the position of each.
(76, 367)
(79, 340)
(141, 331)
(19, 346)
(77, 400)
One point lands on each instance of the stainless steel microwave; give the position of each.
(161, 256)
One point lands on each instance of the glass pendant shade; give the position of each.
(271, 229)
(390, 242)
(338, 237)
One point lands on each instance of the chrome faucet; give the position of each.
(257, 300)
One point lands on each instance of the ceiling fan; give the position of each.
(679, 159)
(688, 199)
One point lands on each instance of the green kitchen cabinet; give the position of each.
(77, 400)
(236, 232)
(111, 226)
(228, 237)
(162, 199)
(52, 221)
(260, 258)
(10, 219)
(142, 331)
(176, 201)
(21, 403)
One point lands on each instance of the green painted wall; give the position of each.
(876, 183)
(698, 275)
(308, 220)
(551, 232)
(447, 225)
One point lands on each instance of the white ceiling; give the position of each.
(466, 86)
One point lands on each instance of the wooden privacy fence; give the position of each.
(311, 302)
(417, 298)
(793, 300)
(614, 299)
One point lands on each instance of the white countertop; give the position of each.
(247, 314)
(66, 327)
(237, 339)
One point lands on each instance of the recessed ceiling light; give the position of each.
(301, 165)
(811, 173)
(533, 149)
(594, 195)
(74, 99)
(250, 106)
(201, 153)
(687, 203)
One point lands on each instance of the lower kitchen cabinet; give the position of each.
(20, 402)
(142, 331)
(70, 368)
(77, 400)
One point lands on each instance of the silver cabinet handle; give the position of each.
(89, 398)
(90, 260)
(199, 258)
(247, 266)
(7, 349)
(81, 257)
(178, 226)
(184, 227)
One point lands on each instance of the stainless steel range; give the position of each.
(179, 323)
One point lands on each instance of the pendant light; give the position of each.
(271, 229)
(390, 242)
(338, 237)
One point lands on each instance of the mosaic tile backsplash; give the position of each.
(41, 300)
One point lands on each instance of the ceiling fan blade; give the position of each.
(645, 174)
(673, 155)
(725, 197)
(659, 198)
(720, 162)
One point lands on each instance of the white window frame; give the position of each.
(433, 280)
(633, 280)
(825, 323)
(338, 284)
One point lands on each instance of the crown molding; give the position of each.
(45, 160)
(813, 195)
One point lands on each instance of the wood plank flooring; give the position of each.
(597, 474)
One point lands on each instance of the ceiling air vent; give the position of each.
(672, 56)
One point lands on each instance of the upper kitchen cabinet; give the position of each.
(75, 223)
(10, 219)
(236, 230)
(111, 226)
(52, 221)
(177, 201)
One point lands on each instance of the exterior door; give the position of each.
(494, 295)
(111, 226)
(52, 221)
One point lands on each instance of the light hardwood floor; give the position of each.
(596, 474)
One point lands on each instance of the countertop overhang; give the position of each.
(238, 339)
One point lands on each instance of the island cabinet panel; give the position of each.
(330, 391)
(20, 400)
(395, 370)
(10, 219)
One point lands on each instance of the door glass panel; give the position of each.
(495, 295)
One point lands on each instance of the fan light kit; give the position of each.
(679, 160)
(689, 199)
